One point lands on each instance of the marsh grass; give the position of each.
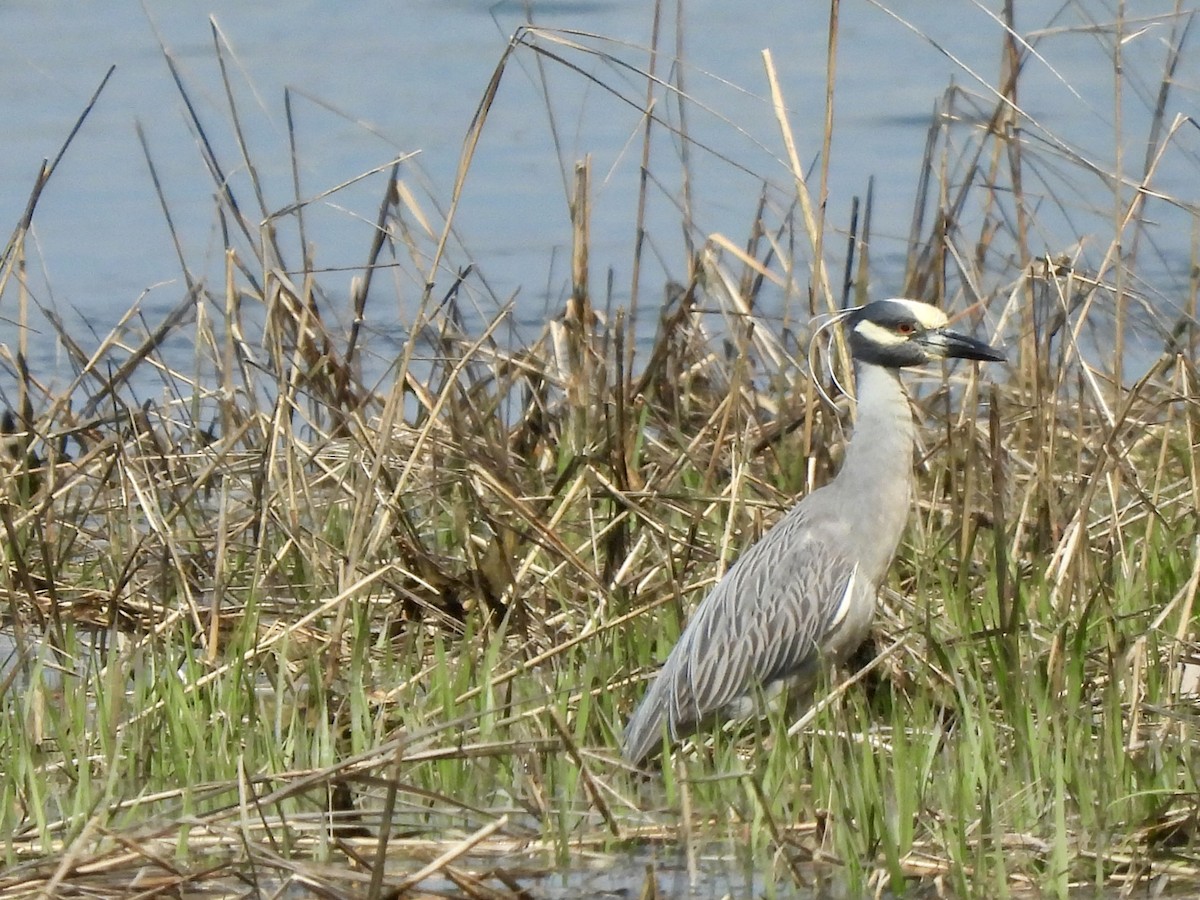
(362, 636)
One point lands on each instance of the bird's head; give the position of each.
(898, 332)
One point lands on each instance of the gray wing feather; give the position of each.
(764, 621)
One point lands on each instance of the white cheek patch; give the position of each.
(879, 335)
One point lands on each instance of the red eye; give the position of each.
(904, 328)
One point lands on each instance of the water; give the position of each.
(407, 80)
(20, 657)
(601, 876)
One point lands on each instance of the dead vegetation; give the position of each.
(370, 636)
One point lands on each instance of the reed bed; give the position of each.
(304, 629)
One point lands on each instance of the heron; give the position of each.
(803, 597)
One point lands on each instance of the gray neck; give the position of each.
(875, 481)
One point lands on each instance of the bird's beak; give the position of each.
(942, 343)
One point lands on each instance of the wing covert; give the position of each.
(762, 622)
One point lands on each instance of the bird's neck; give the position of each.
(876, 477)
(883, 424)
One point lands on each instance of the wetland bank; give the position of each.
(355, 610)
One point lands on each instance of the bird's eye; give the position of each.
(904, 328)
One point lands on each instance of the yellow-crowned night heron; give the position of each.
(804, 596)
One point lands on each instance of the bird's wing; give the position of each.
(763, 622)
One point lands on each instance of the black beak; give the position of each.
(942, 343)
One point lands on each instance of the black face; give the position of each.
(871, 325)
(896, 333)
